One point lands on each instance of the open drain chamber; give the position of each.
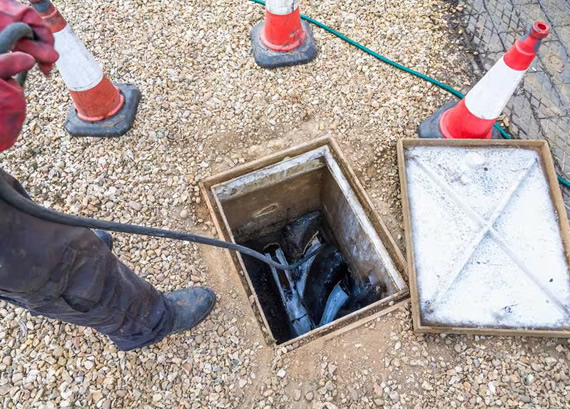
(282, 205)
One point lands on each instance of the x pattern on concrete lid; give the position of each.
(463, 277)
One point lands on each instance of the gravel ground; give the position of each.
(207, 107)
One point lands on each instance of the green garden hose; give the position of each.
(399, 66)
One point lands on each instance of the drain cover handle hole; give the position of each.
(266, 210)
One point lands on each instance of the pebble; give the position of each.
(524, 398)
(297, 394)
(353, 393)
(135, 205)
(309, 396)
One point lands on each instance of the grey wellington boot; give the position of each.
(191, 306)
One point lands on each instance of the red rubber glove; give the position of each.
(41, 47)
(12, 99)
(26, 53)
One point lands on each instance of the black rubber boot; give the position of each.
(191, 306)
(105, 237)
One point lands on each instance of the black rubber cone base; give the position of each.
(429, 128)
(117, 125)
(266, 58)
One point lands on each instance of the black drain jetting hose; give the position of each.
(9, 37)
(16, 200)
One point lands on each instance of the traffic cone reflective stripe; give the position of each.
(490, 95)
(283, 30)
(474, 116)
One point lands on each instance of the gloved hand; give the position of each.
(26, 53)
(12, 99)
(41, 47)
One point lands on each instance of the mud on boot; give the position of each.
(191, 306)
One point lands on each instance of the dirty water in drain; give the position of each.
(319, 291)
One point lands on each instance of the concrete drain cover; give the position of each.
(487, 237)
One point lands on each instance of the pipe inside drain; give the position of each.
(320, 290)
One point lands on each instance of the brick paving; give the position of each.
(540, 107)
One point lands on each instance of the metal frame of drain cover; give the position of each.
(486, 228)
(339, 326)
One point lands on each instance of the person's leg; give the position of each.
(68, 273)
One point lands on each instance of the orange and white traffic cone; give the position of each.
(100, 107)
(283, 39)
(474, 116)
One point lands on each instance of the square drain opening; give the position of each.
(286, 204)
